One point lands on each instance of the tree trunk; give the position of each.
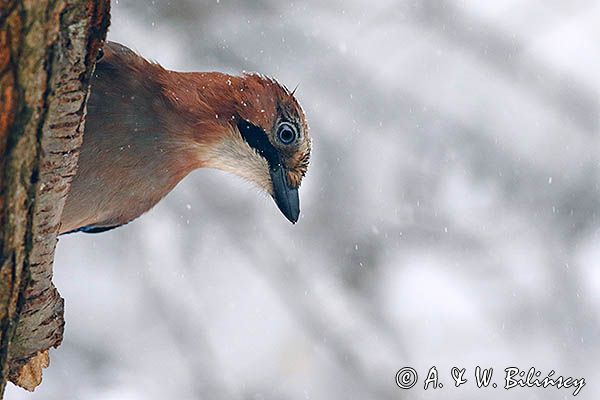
(48, 50)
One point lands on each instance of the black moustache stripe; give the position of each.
(259, 141)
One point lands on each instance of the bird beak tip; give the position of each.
(289, 207)
(285, 197)
(294, 219)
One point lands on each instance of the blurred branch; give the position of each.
(347, 329)
(505, 54)
(181, 322)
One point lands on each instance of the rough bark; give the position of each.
(47, 55)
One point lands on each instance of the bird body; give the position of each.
(148, 127)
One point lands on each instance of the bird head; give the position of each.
(253, 127)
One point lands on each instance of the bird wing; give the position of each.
(93, 229)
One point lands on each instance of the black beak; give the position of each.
(285, 197)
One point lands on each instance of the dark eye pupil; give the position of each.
(286, 134)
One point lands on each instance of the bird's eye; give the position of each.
(286, 133)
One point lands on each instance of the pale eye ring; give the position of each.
(286, 133)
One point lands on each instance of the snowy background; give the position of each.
(450, 217)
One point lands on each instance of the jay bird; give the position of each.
(147, 128)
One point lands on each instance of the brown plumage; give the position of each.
(148, 127)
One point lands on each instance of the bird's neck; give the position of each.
(200, 107)
(134, 135)
(170, 115)
(146, 129)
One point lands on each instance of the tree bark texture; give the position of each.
(48, 50)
